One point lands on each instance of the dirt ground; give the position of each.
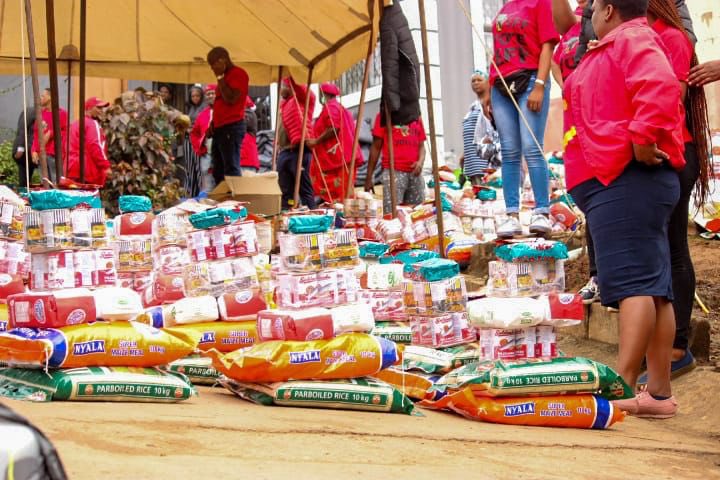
(220, 436)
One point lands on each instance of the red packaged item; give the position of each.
(52, 271)
(563, 214)
(105, 273)
(242, 305)
(244, 239)
(84, 265)
(308, 324)
(14, 260)
(525, 343)
(387, 305)
(125, 279)
(10, 285)
(141, 281)
(137, 223)
(566, 309)
(51, 309)
(546, 345)
(164, 289)
(497, 344)
(200, 245)
(444, 330)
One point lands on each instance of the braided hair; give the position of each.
(695, 103)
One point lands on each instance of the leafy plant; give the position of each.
(139, 136)
(8, 167)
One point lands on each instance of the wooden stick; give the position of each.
(702, 305)
(391, 160)
(277, 121)
(431, 119)
(36, 95)
(81, 84)
(361, 105)
(54, 90)
(301, 150)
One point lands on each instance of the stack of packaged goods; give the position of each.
(363, 214)
(132, 240)
(14, 260)
(314, 349)
(477, 209)
(75, 323)
(220, 289)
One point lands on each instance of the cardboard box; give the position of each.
(262, 191)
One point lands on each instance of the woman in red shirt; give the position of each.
(624, 146)
(665, 20)
(524, 38)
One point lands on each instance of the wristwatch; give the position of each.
(540, 82)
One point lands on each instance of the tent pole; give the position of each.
(277, 120)
(36, 94)
(431, 119)
(391, 154)
(69, 108)
(361, 111)
(301, 150)
(81, 85)
(54, 91)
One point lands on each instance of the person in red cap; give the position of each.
(97, 165)
(334, 130)
(249, 159)
(201, 142)
(292, 108)
(228, 123)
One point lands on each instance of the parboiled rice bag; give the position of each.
(126, 344)
(346, 356)
(104, 384)
(222, 336)
(570, 411)
(352, 394)
(499, 378)
(431, 360)
(197, 369)
(397, 332)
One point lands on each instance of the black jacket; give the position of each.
(400, 67)
(587, 33)
(22, 127)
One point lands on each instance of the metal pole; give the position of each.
(81, 82)
(277, 120)
(54, 91)
(361, 111)
(431, 119)
(391, 154)
(301, 151)
(69, 108)
(36, 95)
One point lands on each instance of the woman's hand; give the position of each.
(417, 168)
(535, 99)
(649, 154)
(702, 74)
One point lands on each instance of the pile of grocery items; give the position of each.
(71, 335)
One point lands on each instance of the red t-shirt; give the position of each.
(679, 51)
(224, 113)
(564, 54)
(519, 32)
(407, 140)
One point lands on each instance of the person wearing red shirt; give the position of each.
(228, 124)
(563, 60)
(524, 38)
(49, 135)
(201, 142)
(409, 149)
(249, 159)
(334, 131)
(623, 147)
(665, 19)
(97, 165)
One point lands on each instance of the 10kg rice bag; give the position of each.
(570, 411)
(127, 344)
(347, 356)
(198, 370)
(100, 384)
(352, 394)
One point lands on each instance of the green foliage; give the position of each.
(8, 168)
(139, 138)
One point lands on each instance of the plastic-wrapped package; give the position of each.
(170, 257)
(58, 199)
(134, 254)
(169, 229)
(318, 251)
(115, 303)
(14, 260)
(384, 277)
(397, 332)
(390, 230)
(506, 313)
(165, 288)
(133, 224)
(241, 305)
(532, 250)
(444, 330)
(310, 223)
(218, 277)
(408, 257)
(431, 298)
(525, 278)
(217, 217)
(10, 285)
(352, 318)
(434, 270)
(54, 270)
(387, 305)
(306, 324)
(191, 310)
(11, 221)
(51, 309)
(134, 203)
(373, 249)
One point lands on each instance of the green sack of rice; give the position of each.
(198, 370)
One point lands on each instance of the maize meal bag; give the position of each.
(351, 394)
(570, 411)
(126, 344)
(499, 378)
(346, 356)
(416, 385)
(222, 336)
(197, 369)
(104, 384)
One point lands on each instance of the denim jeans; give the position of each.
(226, 150)
(516, 143)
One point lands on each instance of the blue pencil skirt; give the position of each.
(628, 221)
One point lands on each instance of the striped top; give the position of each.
(474, 165)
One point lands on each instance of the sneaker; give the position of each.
(643, 405)
(590, 292)
(677, 368)
(540, 224)
(509, 227)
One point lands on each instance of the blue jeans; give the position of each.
(516, 143)
(226, 150)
